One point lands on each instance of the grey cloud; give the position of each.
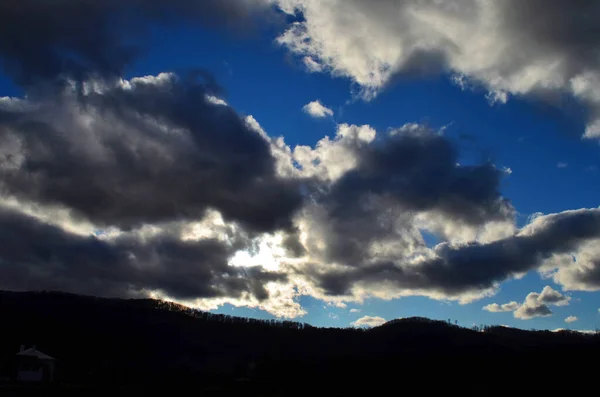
(527, 312)
(476, 267)
(570, 29)
(151, 150)
(39, 256)
(42, 40)
(420, 171)
(590, 277)
(406, 173)
(552, 297)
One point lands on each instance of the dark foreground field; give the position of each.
(130, 347)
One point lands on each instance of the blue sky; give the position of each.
(547, 166)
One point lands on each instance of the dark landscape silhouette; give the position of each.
(106, 345)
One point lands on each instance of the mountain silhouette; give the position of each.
(108, 344)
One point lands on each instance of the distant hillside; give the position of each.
(146, 342)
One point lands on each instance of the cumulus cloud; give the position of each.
(571, 319)
(142, 151)
(368, 321)
(578, 269)
(537, 305)
(155, 186)
(354, 310)
(317, 109)
(506, 307)
(454, 271)
(144, 187)
(361, 231)
(483, 43)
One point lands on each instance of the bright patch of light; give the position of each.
(268, 254)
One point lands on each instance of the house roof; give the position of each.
(35, 353)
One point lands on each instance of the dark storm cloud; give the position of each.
(38, 256)
(152, 151)
(406, 173)
(420, 171)
(44, 39)
(476, 266)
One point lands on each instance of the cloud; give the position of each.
(147, 150)
(368, 321)
(537, 305)
(354, 310)
(311, 65)
(79, 39)
(571, 319)
(506, 307)
(530, 311)
(188, 200)
(581, 331)
(454, 271)
(38, 256)
(553, 297)
(578, 269)
(340, 221)
(494, 45)
(562, 165)
(317, 110)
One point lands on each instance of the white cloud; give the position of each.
(368, 321)
(485, 43)
(581, 331)
(571, 319)
(354, 310)
(535, 304)
(317, 109)
(216, 101)
(507, 307)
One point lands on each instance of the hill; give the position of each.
(146, 343)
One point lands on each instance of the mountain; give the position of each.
(117, 343)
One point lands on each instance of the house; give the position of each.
(34, 366)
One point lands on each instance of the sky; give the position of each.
(339, 163)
